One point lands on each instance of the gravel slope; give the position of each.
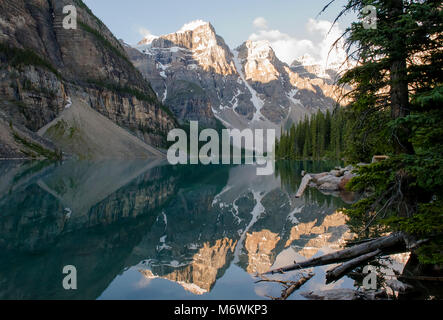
(85, 133)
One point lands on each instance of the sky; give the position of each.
(293, 27)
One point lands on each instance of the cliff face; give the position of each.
(42, 64)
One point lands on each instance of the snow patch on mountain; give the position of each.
(148, 39)
(192, 26)
(291, 95)
(256, 101)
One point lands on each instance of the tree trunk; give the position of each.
(399, 83)
(339, 271)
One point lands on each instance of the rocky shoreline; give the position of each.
(334, 180)
(332, 183)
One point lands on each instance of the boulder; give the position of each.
(336, 173)
(328, 178)
(344, 181)
(328, 186)
(318, 176)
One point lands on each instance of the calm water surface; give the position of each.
(148, 230)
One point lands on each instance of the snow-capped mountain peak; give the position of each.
(191, 26)
(259, 49)
(148, 39)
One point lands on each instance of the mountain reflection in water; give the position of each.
(148, 230)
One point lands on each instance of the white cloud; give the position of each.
(260, 23)
(144, 32)
(317, 43)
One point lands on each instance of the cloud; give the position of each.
(260, 23)
(316, 45)
(144, 32)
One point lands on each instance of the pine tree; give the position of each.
(396, 109)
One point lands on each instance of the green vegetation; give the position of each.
(62, 129)
(320, 136)
(396, 107)
(36, 150)
(71, 137)
(17, 57)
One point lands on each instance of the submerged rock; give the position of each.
(344, 294)
(335, 180)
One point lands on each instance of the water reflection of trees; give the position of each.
(290, 176)
(290, 171)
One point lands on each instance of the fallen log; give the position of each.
(304, 183)
(290, 286)
(353, 243)
(420, 278)
(287, 292)
(382, 243)
(339, 271)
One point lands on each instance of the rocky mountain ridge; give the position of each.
(201, 78)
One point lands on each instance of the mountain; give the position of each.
(195, 73)
(44, 66)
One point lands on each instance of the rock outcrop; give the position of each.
(335, 180)
(42, 65)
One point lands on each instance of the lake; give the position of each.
(149, 230)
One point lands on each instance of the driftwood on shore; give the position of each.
(382, 244)
(304, 183)
(289, 286)
(336, 273)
